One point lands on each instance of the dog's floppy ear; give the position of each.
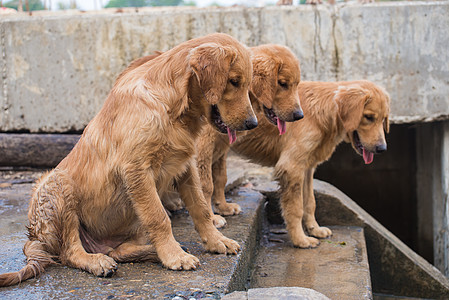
(387, 125)
(351, 101)
(211, 64)
(263, 85)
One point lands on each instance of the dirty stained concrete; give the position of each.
(337, 268)
(216, 275)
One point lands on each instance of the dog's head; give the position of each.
(276, 75)
(223, 71)
(363, 108)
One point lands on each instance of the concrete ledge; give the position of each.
(279, 293)
(57, 70)
(395, 268)
(338, 268)
(35, 150)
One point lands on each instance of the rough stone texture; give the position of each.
(217, 275)
(338, 268)
(397, 44)
(35, 150)
(239, 295)
(279, 293)
(57, 70)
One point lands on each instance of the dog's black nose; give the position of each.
(251, 123)
(298, 115)
(381, 148)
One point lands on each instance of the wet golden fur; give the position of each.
(101, 204)
(333, 111)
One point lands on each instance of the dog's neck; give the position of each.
(196, 114)
(318, 104)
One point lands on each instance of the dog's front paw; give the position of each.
(221, 244)
(228, 209)
(219, 221)
(305, 242)
(102, 265)
(179, 260)
(320, 232)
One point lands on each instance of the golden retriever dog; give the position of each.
(100, 206)
(355, 112)
(273, 90)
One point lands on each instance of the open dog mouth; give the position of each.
(269, 113)
(368, 156)
(220, 125)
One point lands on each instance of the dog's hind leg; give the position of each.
(310, 222)
(74, 255)
(192, 195)
(133, 251)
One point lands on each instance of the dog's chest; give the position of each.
(324, 151)
(178, 153)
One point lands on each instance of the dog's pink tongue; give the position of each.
(232, 135)
(368, 156)
(281, 126)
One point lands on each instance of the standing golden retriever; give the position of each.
(273, 90)
(101, 204)
(355, 112)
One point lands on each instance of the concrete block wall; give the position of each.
(57, 70)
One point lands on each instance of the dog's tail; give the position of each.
(37, 259)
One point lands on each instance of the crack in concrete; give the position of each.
(4, 106)
(318, 49)
(316, 38)
(336, 58)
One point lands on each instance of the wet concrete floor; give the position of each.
(133, 280)
(337, 268)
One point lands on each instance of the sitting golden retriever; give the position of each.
(273, 91)
(101, 204)
(355, 112)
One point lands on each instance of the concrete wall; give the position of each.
(57, 70)
(433, 191)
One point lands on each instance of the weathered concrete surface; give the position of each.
(217, 275)
(57, 70)
(432, 148)
(338, 268)
(278, 293)
(35, 150)
(395, 268)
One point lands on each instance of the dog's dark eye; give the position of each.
(369, 118)
(235, 82)
(283, 84)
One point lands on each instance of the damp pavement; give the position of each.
(279, 267)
